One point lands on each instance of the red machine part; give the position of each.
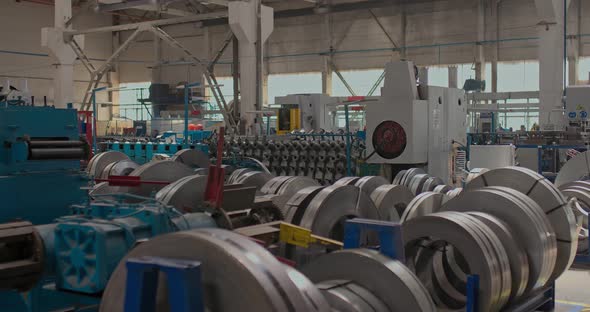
(85, 123)
(216, 177)
(389, 139)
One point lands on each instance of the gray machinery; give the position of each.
(577, 105)
(415, 125)
(313, 109)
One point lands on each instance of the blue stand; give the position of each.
(390, 236)
(184, 284)
(391, 244)
(583, 258)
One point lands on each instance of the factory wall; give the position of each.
(23, 58)
(437, 33)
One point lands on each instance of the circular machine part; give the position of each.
(332, 206)
(575, 169)
(236, 174)
(156, 171)
(298, 203)
(525, 222)
(549, 198)
(392, 201)
(202, 171)
(442, 189)
(290, 188)
(585, 184)
(474, 173)
(481, 249)
(417, 183)
(533, 206)
(254, 178)
(410, 173)
(97, 164)
(347, 296)
(519, 264)
(192, 158)
(387, 279)
(273, 185)
(454, 192)
(347, 181)
(422, 205)
(389, 139)
(431, 183)
(187, 194)
(444, 292)
(118, 168)
(582, 196)
(398, 177)
(103, 188)
(231, 281)
(369, 184)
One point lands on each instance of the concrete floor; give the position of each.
(573, 291)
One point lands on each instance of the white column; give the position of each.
(480, 60)
(453, 77)
(551, 54)
(52, 38)
(326, 59)
(243, 20)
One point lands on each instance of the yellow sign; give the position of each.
(302, 237)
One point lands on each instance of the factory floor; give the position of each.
(573, 291)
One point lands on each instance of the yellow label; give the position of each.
(295, 235)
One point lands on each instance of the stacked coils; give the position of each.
(259, 282)
(509, 226)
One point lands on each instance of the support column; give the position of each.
(496, 11)
(243, 20)
(114, 75)
(423, 75)
(157, 69)
(574, 44)
(403, 29)
(551, 59)
(53, 39)
(327, 59)
(453, 77)
(480, 59)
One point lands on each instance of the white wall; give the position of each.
(20, 32)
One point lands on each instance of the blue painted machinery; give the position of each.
(143, 152)
(70, 261)
(40, 155)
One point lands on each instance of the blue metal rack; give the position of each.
(391, 244)
(184, 284)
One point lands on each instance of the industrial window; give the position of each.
(362, 82)
(438, 76)
(467, 71)
(129, 104)
(281, 85)
(584, 69)
(518, 76)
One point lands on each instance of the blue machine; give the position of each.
(39, 163)
(79, 252)
(143, 152)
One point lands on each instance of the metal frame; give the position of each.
(185, 291)
(96, 74)
(583, 258)
(390, 236)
